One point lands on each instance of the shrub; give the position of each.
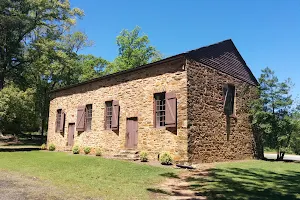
(87, 150)
(51, 147)
(76, 150)
(43, 147)
(165, 159)
(98, 152)
(144, 156)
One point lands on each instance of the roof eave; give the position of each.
(169, 59)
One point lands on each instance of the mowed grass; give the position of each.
(250, 180)
(87, 175)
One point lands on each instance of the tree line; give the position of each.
(40, 51)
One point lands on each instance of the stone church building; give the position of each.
(194, 105)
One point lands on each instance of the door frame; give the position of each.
(131, 119)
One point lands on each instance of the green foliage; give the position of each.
(144, 156)
(43, 147)
(17, 112)
(51, 147)
(98, 152)
(87, 150)
(89, 67)
(134, 50)
(273, 114)
(165, 159)
(76, 149)
(25, 24)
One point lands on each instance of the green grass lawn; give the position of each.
(250, 180)
(87, 175)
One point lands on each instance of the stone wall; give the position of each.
(207, 135)
(134, 91)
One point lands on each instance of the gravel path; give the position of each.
(286, 157)
(19, 187)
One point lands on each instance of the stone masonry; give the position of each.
(134, 91)
(203, 134)
(207, 135)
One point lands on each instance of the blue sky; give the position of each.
(267, 33)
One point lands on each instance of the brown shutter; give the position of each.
(105, 110)
(171, 110)
(225, 91)
(80, 125)
(62, 121)
(115, 115)
(56, 122)
(154, 112)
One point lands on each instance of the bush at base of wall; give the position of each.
(98, 152)
(144, 156)
(51, 147)
(87, 150)
(43, 147)
(76, 150)
(165, 159)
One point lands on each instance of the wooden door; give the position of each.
(132, 133)
(71, 130)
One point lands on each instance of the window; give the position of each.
(229, 95)
(160, 109)
(89, 112)
(108, 114)
(58, 120)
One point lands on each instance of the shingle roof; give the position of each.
(225, 57)
(222, 56)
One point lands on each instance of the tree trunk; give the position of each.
(1, 81)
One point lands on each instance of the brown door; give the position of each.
(71, 130)
(131, 133)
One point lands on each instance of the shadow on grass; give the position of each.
(255, 183)
(240, 184)
(160, 191)
(170, 175)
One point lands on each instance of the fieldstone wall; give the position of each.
(207, 135)
(134, 91)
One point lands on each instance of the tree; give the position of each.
(134, 50)
(272, 113)
(20, 21)
(90, 67)
(17, 110)
(55, 64)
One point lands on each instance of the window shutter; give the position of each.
(56, 122)
(115, 115)
(225, 90)
(62, 121)
(229, 100)
(171, 110)
(105, 110)
(154, 112)
(80, 125)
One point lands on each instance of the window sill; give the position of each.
(160, 127)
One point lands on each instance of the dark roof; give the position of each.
(222, 56)
(225, 57)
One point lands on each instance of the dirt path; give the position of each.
(19, 187)
(178, 187)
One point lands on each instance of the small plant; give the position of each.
(76, 149)
(165, 159)
(43, 147)
(98, 152)
(51, 147)
(87, 150)
(144, 156)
